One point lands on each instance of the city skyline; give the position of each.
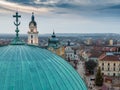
(64, 16)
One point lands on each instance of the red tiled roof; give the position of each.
(106, 49)
(109, 58)
(95, 54)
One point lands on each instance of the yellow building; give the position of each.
(55, 46)
(110, 64)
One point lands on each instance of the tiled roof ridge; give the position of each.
(105, 57)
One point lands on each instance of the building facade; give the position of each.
(110, 64)
(110, 42)
(69, 53)
(55, 46)
(33, 33)
(71, 56)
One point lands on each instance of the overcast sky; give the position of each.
(64, 16)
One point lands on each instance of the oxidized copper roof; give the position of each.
(25, 67)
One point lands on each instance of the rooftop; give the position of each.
(24, 67)
(109, 57)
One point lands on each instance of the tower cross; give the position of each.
(17, 23)
(17, 16)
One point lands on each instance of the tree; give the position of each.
(90, 66)
(99, 78)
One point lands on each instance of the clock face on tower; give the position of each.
(32, 26)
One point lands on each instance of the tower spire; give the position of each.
(33, 18)
(53, 34)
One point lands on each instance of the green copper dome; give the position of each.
(53, 41)
(25, 67)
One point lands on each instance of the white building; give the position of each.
(33, 33)
(71, 56)
(110, 64)
(69, 53)
(111, 42)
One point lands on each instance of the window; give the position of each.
(103, 68)
(114, 64)
(114, 69)
(102, 64)
(113, 74)
(31, 41)
(108, 68)
(108, 64)
(31, 36)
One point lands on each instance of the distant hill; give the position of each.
(67, 35)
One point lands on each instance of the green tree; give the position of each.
(99, 78)
(90, 66)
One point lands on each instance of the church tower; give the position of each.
(33, 33)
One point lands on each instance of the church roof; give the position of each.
(24, 67)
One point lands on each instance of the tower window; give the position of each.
(31, 41)
(31, 36)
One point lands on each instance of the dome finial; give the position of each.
(53, 35)
(17, 41)
(33, 16)
(53, 32)
(17, 23)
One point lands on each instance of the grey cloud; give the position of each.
(83, 7)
